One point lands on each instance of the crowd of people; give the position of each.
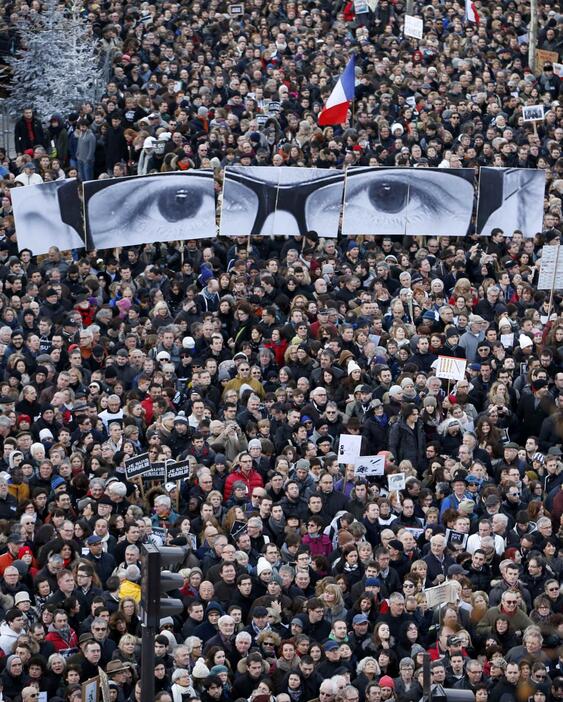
(304, 579)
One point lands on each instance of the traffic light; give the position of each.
(157, 582)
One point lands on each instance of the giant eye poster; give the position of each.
(408, 201)
(144, 209)
(510, 198)
(48, 215)
(274, 201)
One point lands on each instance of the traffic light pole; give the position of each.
(154, 582)
(148, 634)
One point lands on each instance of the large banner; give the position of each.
(408, 201)
(48, 215)
(275, 201)
(270, 201)
(144, 209)
(510, 198)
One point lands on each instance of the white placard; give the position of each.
(440, 594)
(369, 466)
(397, 481)
(349, 448)
(551, 271)
(451, 368)
(532, 113)
(507, 340)
(558, 69)
(413, 26)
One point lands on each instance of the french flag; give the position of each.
(336, 109)
(471, 14)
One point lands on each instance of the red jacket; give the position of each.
(254, 479)
(62, 644)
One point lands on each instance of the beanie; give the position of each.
(200, 670)
(387, 681)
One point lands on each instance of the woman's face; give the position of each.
(383, 631)
(219, 658)
(502, 626)
(294, 681)
(57, 666)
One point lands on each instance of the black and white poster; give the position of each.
(49, 214)
(408, 201)
(510, 199)
(137, 465)
(143, 209)
(275, 201)
(532, 113)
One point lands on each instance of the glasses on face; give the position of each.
(511, 602)
(100, 628)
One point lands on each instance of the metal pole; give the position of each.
(426, 686)
(533, 34)
(148, 634)
(410, 7)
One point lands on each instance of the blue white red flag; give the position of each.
(336, 109)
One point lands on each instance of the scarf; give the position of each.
(29, 129)
(382, 420)
(178, 692)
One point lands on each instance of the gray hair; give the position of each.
(243, 636)
(362, 664)
(163, 500)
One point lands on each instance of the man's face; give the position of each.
(512, 673)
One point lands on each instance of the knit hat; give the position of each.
(353, 366)
(262, 566)
(218, 669)
(200, 670)
(387, 681)
(416, 649)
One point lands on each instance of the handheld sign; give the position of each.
(532, 113)
(137, 465)
(396, 481)
(451, 368)
(157, 471)
(551, 271)
(369, 466)
(413, 26)
(349, 447)
(177, 470)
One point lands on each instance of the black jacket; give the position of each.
(22, 138)
(407, 443)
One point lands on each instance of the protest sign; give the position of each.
(369, 466)
(551, 271)
(451, 368)
(177, 470)
(397, 481)
(532, 113)
(157, 471)
(413, 26)
(137, 465)
(349, 448)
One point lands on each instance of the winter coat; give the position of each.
(22, 134)
(406, 443)
(253, 480)
(62, 644)
(8, 638)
